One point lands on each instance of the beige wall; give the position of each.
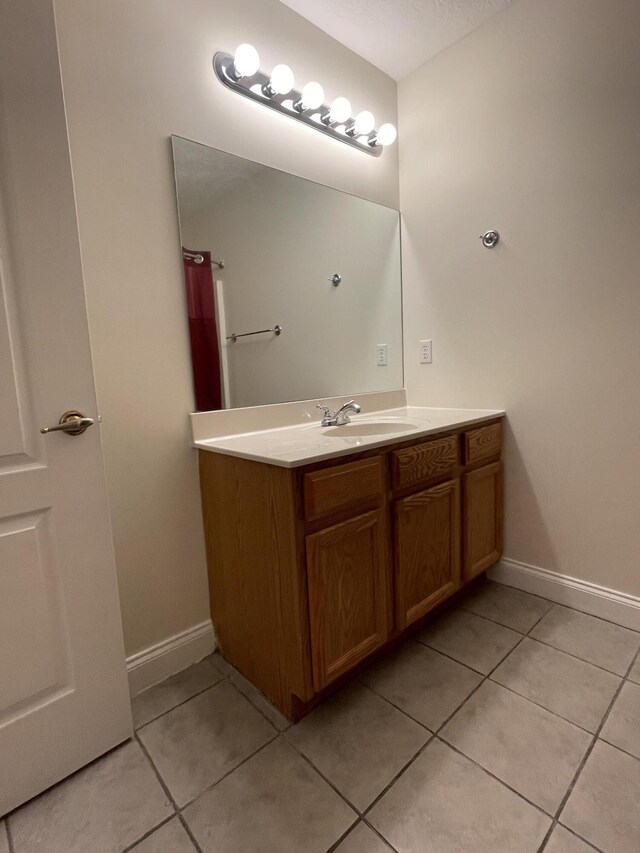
(531, 125)
(133, 73)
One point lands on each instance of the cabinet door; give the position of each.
(427, 550)
(347, 574)
(482, 510)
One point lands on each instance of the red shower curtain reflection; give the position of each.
(203, 330)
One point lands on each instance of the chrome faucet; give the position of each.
(341, 417)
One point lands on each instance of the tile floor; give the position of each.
(509, 725)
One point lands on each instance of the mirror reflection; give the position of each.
(293, 289)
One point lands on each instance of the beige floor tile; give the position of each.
(634, 675)
(572, 688)
(563, 841)
(470, 639)
(362, 839)
(602, 643)
(274, 803)
(105, 807)
(443, 803)
(4, 841)
(261, 702)
(194, 745)
(170, 838)
(603, 806)
(358, 741)
(166, 695)
(425, 684)
(511, 607)
(622, 727)
(526, 746)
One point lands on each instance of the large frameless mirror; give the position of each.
(293, 289)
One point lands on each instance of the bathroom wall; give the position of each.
(531, 125)
(281, 240)
(133, 73)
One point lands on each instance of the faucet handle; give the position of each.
(327, 415)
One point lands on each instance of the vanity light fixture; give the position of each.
(241, 72)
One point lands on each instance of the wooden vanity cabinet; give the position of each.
(314, 569)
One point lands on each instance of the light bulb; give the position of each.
(364, 123)
(386, 135)
(245, 61)
(281, 80)
(312, 96)
(340, 110)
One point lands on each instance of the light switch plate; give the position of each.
(381, 355)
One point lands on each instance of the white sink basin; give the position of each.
(383, 427)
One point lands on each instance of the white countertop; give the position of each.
(292, 446)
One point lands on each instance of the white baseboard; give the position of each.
(172, 655)
(619, 607)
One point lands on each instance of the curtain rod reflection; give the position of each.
(277, 331)
(197, 258)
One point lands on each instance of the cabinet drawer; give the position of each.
(482, 443)
(355, 485)
(424, 461)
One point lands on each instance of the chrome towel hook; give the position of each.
(490, 239)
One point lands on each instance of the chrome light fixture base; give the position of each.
(255, 88)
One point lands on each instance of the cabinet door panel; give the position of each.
(427, 550)
(346, 566)
(482, 506)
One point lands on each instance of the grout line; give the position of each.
(380, 836)
(377, 799)
(187, 829)
(257, 707)
(344, 835)
(579, 837)
(148, 833)
(179, 704)
(587, 754)
(455, 660)
(9, 835)
(619, 748)
(493, 776)
(326, 779)
(544, 707)
(398, 708)
(210, 787)
(576, 657)
(163, 784)
(560, 604)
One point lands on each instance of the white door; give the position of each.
(63, 687)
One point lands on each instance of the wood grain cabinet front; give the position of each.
(427, 550)
(314, 569)
(482, 512)
(347, 582)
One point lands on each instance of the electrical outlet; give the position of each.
(381, 355)
(426, 352)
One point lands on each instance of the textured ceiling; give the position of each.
(397, 35)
